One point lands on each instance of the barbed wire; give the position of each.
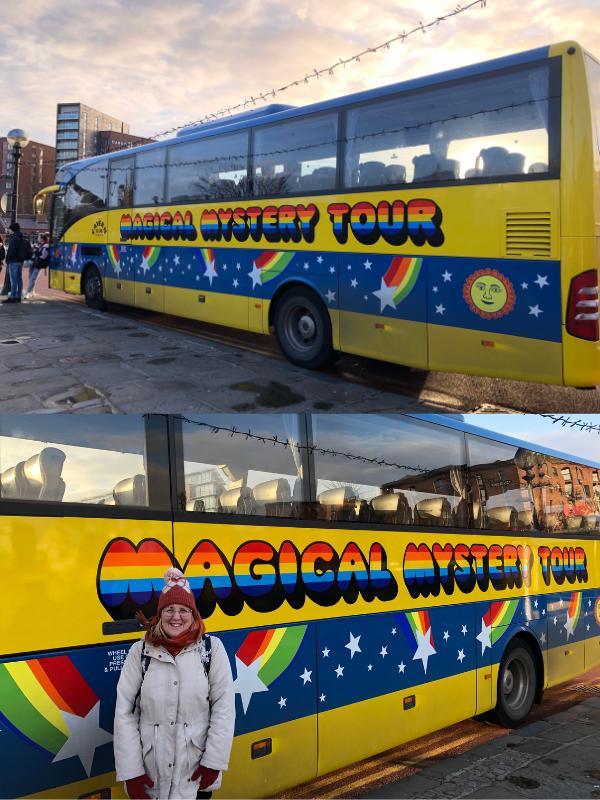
(589, 427)
(291, 443)
(315, 74)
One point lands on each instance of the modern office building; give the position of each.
(78, 130)
(36, 170)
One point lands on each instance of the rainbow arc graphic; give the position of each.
(114, 257)
(416, 627)
(208, 257)
(573, 613)
(39, 697)
(150, 256)
(263, 656)
(398, 281)
(271, 264)
(495, 621)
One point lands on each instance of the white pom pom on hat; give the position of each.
(177, 591)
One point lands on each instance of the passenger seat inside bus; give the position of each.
(131, 492)
(503, 518)
(237, 501)
(433, 511)
(391, 508)
(429, 167)
(338, 504)
(498, 161)
(37, 478)
(395, 173)
(273, 498)
(372, 173)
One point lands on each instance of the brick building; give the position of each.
(37, 169)
(111, 141)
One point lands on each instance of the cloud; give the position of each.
(156, 66)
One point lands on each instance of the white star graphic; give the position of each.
(85, 735)
(238, 266)
(447, 276)
(542, 280)
(535, 311)
(306, 676)
(461, 656)
(236, 283)
(385, 294)
(118, 269)
(569, 625)
(484, 636)
(555, 620)
(176, 260)
(349, 266)
(282, 702)
(339, 671)
(247, 681)
(224, 267)
(524, 285)
(383, 652)
(543, 612)
(587, 627)
(332, 270)
(367, 264)
(319, 259)
(369, 667)
(255, 275)
(589, 603)
(440, 309)
(322, 697)
(463, 630)
(325, 652)
(330, 296)
(434, 289)
(543, 638)
(424, 647)
(535, 603)
(446, 636)
(353, 645)
(393, 631)
(305, 265)
(144, 266)
(354, 283)
(401, 666)
(211, 271)
(365, 296)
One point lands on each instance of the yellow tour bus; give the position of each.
(373, 578)
(446, 223)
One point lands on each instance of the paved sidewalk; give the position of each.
(59, 356)
(556, 757)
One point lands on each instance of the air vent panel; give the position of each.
(528, 234)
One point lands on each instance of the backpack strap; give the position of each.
(145, 663)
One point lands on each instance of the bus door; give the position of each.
(56, 275)
(84, 518)
(384, 303)
(119, 279)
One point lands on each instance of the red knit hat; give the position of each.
(177, 591)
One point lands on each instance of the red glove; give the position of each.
(136, 787)
(207, 776)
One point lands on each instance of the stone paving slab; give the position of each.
(556, 757)
(69, 357)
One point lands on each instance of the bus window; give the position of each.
(72, 461)
(208, 169)
(150, 177)
(593, 72)
(486, 127)
(233, 465)
(504, 481)
(120, 182)
(85, 193)
(296, 157)
(388, 470)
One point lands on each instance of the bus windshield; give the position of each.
(593, 72)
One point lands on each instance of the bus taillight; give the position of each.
(582, 308)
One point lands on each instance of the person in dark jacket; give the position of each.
(14, 261)
(6, 286)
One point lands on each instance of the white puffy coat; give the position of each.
(181, 719)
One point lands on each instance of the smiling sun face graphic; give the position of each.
(489, 293)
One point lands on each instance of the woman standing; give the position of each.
(40, 261)
(175, 711)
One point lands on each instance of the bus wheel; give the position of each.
(517, 684)
(303, 329)
(92, 289)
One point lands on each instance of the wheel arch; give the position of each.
(529, 639)
(283, 288)
(86, 267)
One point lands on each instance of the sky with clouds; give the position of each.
(155, 64)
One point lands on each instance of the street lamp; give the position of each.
(526, 460)
(17, 139)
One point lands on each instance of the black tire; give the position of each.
(303, 329)
(93, 289)
(517, 684)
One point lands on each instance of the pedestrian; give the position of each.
(41, 260)
(175, 710)
(6, 285)
(19, 250)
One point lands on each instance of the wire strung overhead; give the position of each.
(316, 73)
(589, 427)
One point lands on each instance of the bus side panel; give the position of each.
(581, 357)
(591, 604)
(566, 636)
(396, 670)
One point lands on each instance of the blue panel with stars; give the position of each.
(566, 620)
(591, 605)
(519, 298)
(364, 657)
